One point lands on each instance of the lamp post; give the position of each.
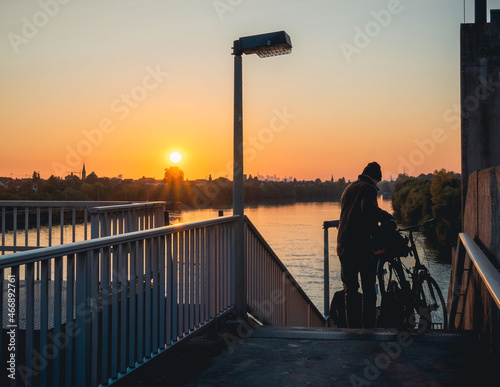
(264, 45)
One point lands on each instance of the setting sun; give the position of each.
(175, 157)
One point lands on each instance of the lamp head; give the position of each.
(264, 45)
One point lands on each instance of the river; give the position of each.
(295, 233)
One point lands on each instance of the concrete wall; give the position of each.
(482, 222)
(482, 211)
(480, 97)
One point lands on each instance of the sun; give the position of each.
(175, 157)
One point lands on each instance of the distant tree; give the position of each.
(54, 180)
(446, 206)
(72, 181)
(173, 178)
(417, 199)
(93, 191)
(91, 178)
(71, 193)
(173, 174)
(411, 200)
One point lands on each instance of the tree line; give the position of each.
(173, 188)
(414, 199)
(437, 195)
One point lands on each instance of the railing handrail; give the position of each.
(45, 253)
(50, 203)
(485, 268)
(282, 266)
(121, 207)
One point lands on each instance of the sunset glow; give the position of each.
(365, 81)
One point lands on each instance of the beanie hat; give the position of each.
(373, 170)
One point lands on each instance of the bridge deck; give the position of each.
(273, 356)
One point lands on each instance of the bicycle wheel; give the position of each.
(395, 310)
(390, 274)
(431, 310)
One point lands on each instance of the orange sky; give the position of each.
(123, 84)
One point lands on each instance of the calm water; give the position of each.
(295, 232)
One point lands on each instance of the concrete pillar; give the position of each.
(238, 202)
(480, 11)
(480, 98)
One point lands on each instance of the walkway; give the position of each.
(273, 356)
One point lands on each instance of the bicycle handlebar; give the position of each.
(416, 226)
(335, 223)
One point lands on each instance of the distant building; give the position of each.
(84, 173)
(148, 180)
(200, 182)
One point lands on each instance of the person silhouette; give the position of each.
(359, 218)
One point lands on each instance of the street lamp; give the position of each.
(264, 45)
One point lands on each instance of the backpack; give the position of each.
(337, 308)
(387, 241)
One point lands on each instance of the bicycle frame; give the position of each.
(420, 292)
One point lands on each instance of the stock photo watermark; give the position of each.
(263, 308)
(363, 36)
(58, 342)
(11, 326)
(31, 26)
(390, 352)
(121, 106)
(426, 147)
(224, 6)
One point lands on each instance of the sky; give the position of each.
(122, 84)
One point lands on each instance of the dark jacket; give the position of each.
(359, 217)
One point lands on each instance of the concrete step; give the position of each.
(376, 334)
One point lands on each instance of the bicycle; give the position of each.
(415, 301)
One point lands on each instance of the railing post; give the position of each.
(82, 308)
(3, 231)
(326, 273)
(26, 226)
(455, 284)
(14, 222)
(94, 224)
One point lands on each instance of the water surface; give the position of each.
(295, 233)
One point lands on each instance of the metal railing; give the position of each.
(33, 215)
(326, 265)
(115, 220)
(273, 295)
(469, 254)
(114, 302)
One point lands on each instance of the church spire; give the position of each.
(84, 173)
